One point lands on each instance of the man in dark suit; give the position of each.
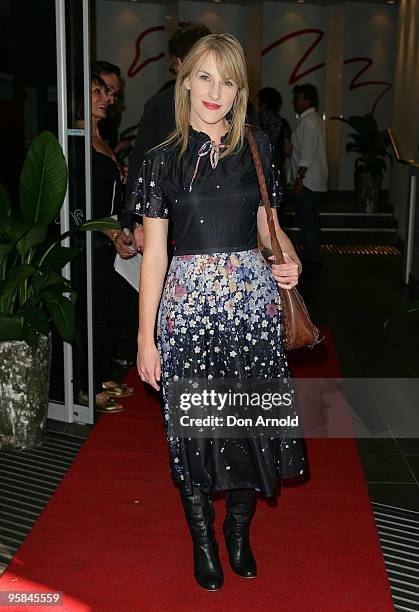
(158, 118)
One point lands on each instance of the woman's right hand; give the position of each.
(148, 365)
(124, 244)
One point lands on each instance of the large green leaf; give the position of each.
(37, 319)
(13, 229)
(368, 141)
(364, 124)
(53, 293)
(62, 313)
(35, 236)
(11, 327)
(5, 250)
(30, 336)
(57, 257)
(99, 225)
(5, 204)
(44, 279)
(43, 180)
(10, 290)
(92, 225)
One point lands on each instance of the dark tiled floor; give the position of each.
(409, 446)
(413, 462)
(354, 296)
(78, 430)
(384, 463)
(395, 494)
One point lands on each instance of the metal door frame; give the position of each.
(69, 411)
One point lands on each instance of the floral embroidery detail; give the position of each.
(180, 291)
(271, 309)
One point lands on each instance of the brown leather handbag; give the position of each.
(299, 330)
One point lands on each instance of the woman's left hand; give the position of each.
(286, 274)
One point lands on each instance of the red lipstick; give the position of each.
(211, 106)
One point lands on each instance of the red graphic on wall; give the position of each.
(297, 73)
(355, 84)
(136, 67)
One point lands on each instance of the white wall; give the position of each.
(279, 21)
(405, 115)
(118, 26)
(370, 31)
(218, 18)
(363, 29)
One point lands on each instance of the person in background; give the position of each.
(111, 75)
(107, 200)
(274, 125)
(158, 118)
(108, 127)
(309, 168)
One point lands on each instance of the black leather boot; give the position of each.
(241, 506)
(200, 516)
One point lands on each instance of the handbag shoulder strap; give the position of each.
(276, 247)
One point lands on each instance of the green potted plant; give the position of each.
(34, 295)
(371, 145)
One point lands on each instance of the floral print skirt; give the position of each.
(220, 317)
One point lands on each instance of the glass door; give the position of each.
(71, 389)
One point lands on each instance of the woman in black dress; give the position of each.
(220, 313)
(110, 299)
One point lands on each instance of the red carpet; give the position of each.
(113, 536)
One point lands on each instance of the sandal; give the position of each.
(109, 405)
(119, 390)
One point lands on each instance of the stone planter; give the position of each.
(24, 386)
(367, 188)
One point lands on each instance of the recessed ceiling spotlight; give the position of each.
(300, 1)
(217, 1)
(391, 1)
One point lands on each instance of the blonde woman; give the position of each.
(219, 314)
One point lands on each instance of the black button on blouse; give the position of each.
(213, 209)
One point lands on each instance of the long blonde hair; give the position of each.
(231, 64)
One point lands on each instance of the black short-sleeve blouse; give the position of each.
(212, 209)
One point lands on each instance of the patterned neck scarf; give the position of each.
(209, 147)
